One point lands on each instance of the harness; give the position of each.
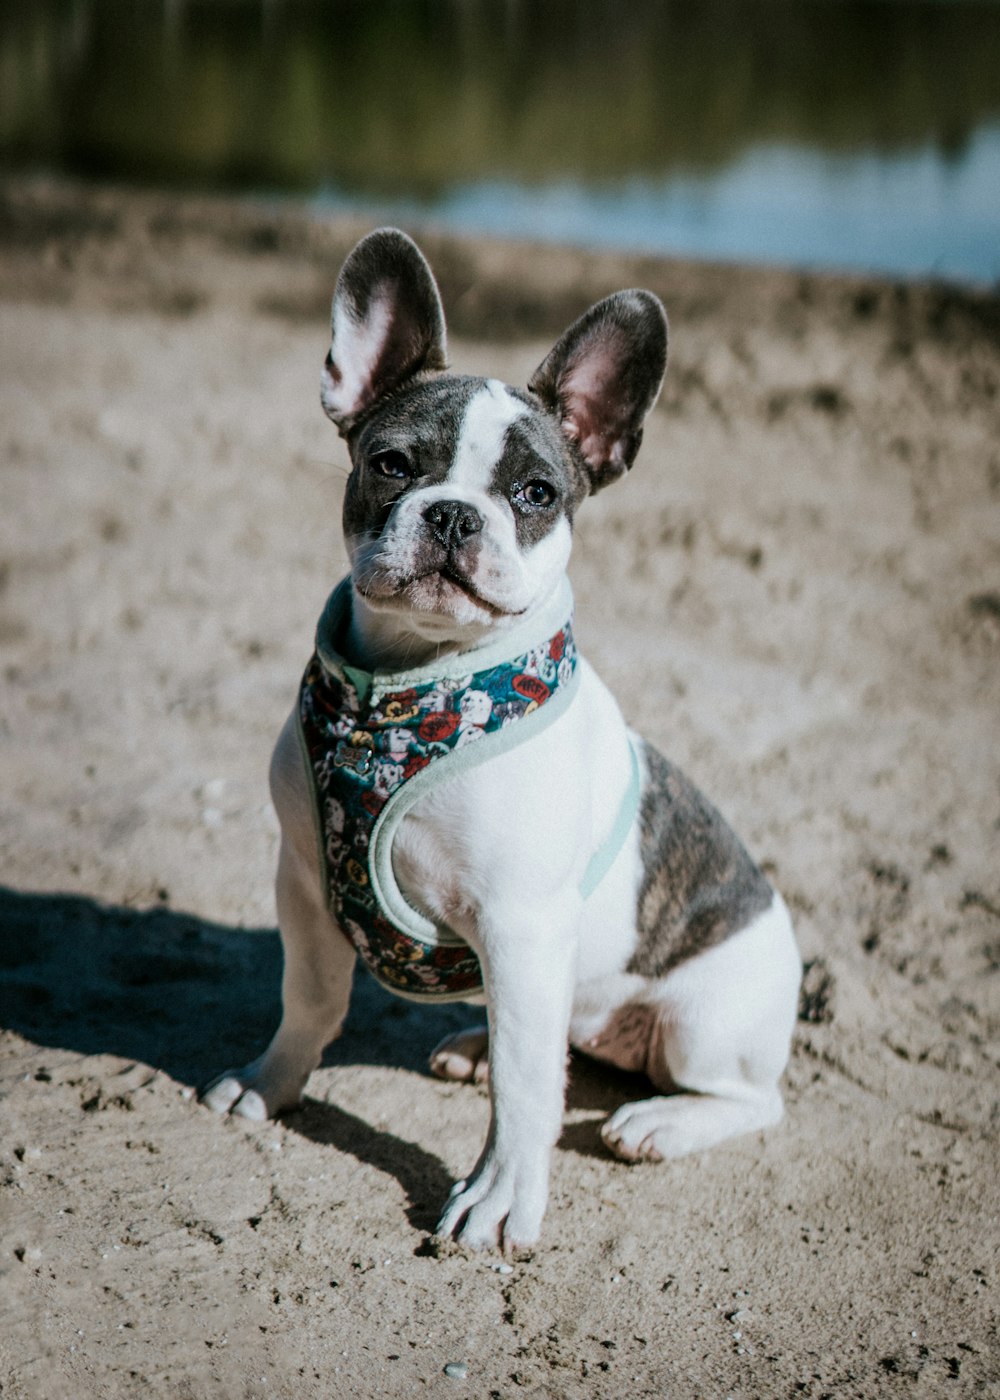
(375, 743)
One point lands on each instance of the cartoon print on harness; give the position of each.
(361, 756)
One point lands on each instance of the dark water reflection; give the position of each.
(664, 125)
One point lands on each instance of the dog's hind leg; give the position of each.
(319, 962)
(720, 1037)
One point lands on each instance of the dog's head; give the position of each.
(458, 510)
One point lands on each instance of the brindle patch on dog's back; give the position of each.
(699, 885)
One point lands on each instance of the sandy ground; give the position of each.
(797, 596)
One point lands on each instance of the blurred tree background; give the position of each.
(419, 94)
(388, 98)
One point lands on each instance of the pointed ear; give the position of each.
(388, 325)
(602, 378)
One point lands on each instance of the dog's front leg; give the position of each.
(529, 967)
(319, 960)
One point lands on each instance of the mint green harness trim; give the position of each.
(605, 856)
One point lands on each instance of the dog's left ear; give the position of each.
(602, 377)
(388, 325)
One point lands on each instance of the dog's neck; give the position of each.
(397, 640)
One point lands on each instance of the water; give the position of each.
(833, 133)
(910, 214)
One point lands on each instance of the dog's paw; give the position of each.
(633, 1132)
(250, 1093)
(496, 1209)
(463, 1056)
(654, 1130)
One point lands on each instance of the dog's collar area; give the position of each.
(529, 633)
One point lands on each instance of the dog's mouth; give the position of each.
(458, 580)
(437, 590)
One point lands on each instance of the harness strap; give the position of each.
(605, 856)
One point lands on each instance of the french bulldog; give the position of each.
(461, 802)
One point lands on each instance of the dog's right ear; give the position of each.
(388, 325)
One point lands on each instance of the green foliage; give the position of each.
(413, 95)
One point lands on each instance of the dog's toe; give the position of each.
(641, 1132)
(222, 1093)
(250, 1105)
(253, 1093)
(447, 1065)
(463, 1056)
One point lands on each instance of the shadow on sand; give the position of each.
(190, 997)
(175, 991)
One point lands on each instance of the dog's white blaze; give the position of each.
(357, 346)
(481, 436)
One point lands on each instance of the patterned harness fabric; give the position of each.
(364, 742)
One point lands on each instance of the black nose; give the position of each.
(453, 522)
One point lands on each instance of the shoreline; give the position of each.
(498, 289)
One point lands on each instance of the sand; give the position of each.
(796, 594)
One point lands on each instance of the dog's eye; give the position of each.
(535, 493)
(391, 464)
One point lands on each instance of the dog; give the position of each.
(462, 805)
